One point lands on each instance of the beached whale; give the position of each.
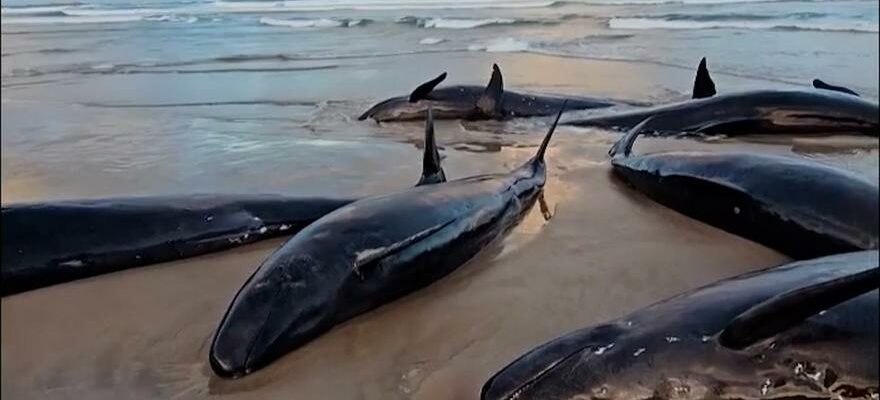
(754, 112)
(704, 86)
(799, 207)
(476, 102)
(829, 110)
(55, 242)
(804, 330)
(366, 254)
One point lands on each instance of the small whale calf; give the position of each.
(366, 254)
(826, 110)
(799, 207)
(476, 102)
(804, 330)
(55, 242)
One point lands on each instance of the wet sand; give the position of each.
(606, 251)
(144, 333)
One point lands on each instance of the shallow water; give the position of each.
(262, 97)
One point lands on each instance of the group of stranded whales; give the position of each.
(798, 330)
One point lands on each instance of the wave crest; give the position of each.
(746, 24)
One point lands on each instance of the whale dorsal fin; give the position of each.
(703, 85)
(788, 309)
(422, 91)
(625, 144)
(489, 102)
(819, 84)
(432, 171)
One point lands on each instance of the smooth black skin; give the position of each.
(44, 244)
(670, 350)
(364, 255)
(798, 207)
(703, 84)
(754, 112)
(463, 102)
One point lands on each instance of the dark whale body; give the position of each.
(364, 255)
(828, 110)
(804, 330)
(477, 103)
(753, 112)
(796, 206)
(54, 242)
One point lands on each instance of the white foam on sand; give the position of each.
(455, 23)
(781, 24)
(501, 45)
(431, 40)
(302, 23)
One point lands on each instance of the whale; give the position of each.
(764, 112)
(477, 103)
(704, 86)
(367, 254)
(799, 207)
(48, 243)
(827, 109)
(802, 330)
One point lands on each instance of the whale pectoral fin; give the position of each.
(432, 171)
(489, 102)
(625, 144)
(366, 260)
(819, 84)
(703, 85)
(424, 89)
(791, 308)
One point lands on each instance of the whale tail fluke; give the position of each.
(703, 84)
(432, 171)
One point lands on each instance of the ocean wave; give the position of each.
(660, 2)
(331, 5)
(173, 18)
(34, 10)
(431, 40)
(68, 20)
(501, 45)
(313, 23)
(774, 24)
(458, 23)
(731, 16)
(120, 12)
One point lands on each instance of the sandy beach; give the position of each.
(606, 251)
(84, 126)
